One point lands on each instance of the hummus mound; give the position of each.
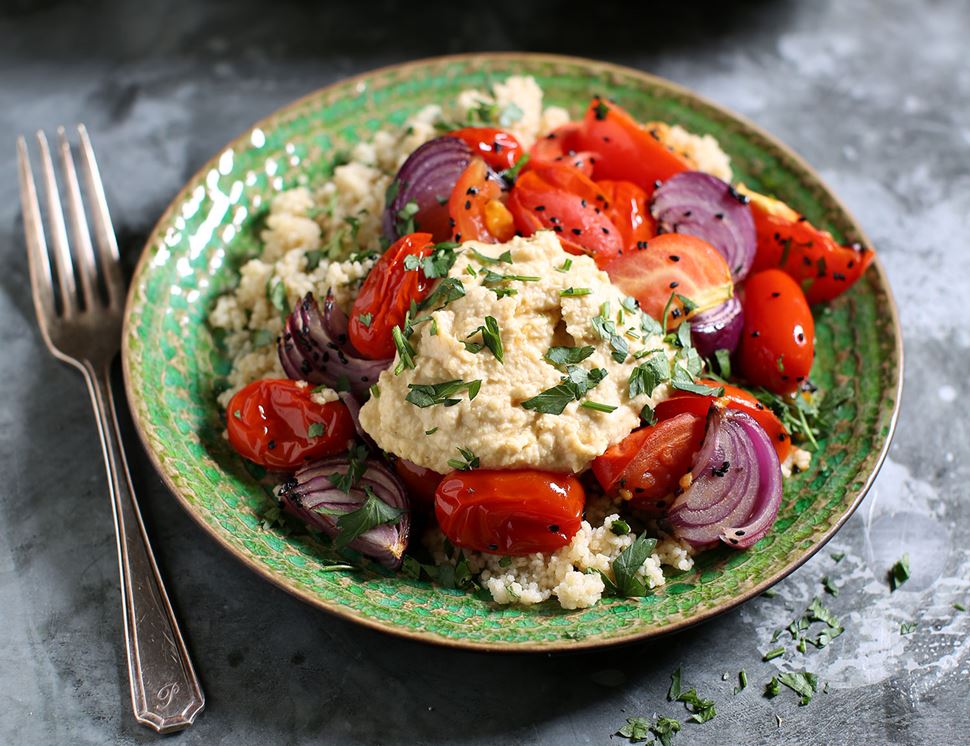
(494, 426)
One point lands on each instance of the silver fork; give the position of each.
(82, 327)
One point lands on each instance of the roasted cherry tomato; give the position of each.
(812, 256)
(649, 467)
(626, 207)
(778, 341)
(559, 146)
(276, 423)
(421, 483)
(668, 265)
(509, 512)
(386, 295)
(626, 150)
(498, 148)
(733, 398)
(476, 206)
(557, 197)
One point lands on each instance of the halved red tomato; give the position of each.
(673, 264)
(627, 151)
(498, 148)
(650, 462)
(476, 206)
(559, 146)
(734, 398)
(626, 207)
(276, 423)
(557, 197)
(813, 257)
(509, 512)
(386, 295)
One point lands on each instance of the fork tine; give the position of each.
(83, 252)
(41, 280)
(104, 232)
(58, 233)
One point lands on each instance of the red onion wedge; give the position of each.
(702, 205)
(736, 486)
(426, 178)
(314, 347)
(312, 496)
(717, 329)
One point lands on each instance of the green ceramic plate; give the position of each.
(174, 368)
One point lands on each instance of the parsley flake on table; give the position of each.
(702, 709)
(803, 683)
(908, 627)
(374, 512)
(899, 572)
(429, 394)
(830, 586)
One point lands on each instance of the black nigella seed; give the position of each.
(468, 204)
(493, 547)
(472, 191)
(674, 284)
(557, 228)
(776, 294)
(577, 231)
(540, 208)
(554, 528)
(755, 334)
(606, 230)
(271, 445)
(673, 257)
(719, 215)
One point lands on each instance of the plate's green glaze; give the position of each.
(173, 367)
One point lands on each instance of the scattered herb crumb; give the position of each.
(773, 653)
(899, 573)
(830, 586)
(907, 628)
(838, 556)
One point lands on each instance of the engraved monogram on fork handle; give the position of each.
(165, 692)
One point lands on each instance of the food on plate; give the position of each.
(498, 348)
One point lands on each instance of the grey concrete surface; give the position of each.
(875, 94)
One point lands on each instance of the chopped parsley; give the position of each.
(566, 265)
(434, 265)
(365, 319)
(899, 572)
(356, 466)
(702, 709)
(654, 370)
(722, 363)
(742, 681)
(803, 683)
(276, 294)
(374, 512)
(503, 292)
(636, 729)
(597, 406)
(830, 586)
(620, 527)
(313, 259)
(404, 219)
(683, 380)
(511, 174)
(560, 357)
(774, 653)
(959, 606)
(486, 261)
(601, 110)
(405, 351)
(493, 278)
(606, 329)
(647, 415)
(807, 416)
(261, 337)
(510, 114)
(837, 556)
(315, 430)
(432, 431)
(429, 394)
(375, 391)
(574, 292)
(447, 290)
(467, 462)
(571, 387)
(237, 414)
(625, 581)
(491, 339)
(772, 688)
(908, 628)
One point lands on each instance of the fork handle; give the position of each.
(165, 692)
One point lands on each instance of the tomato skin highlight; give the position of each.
(386, 295)
(673, 263)
(559, 146)
(627, 151)
(557, 197)
(627, 209)
(652, 463)
(468, 205)
(778, 341)
(498, 148)
(733, 398)
(274, 420)
(813, 257)
(509, 512)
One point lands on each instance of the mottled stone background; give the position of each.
(875, 94)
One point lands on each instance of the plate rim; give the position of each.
(563, 645)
